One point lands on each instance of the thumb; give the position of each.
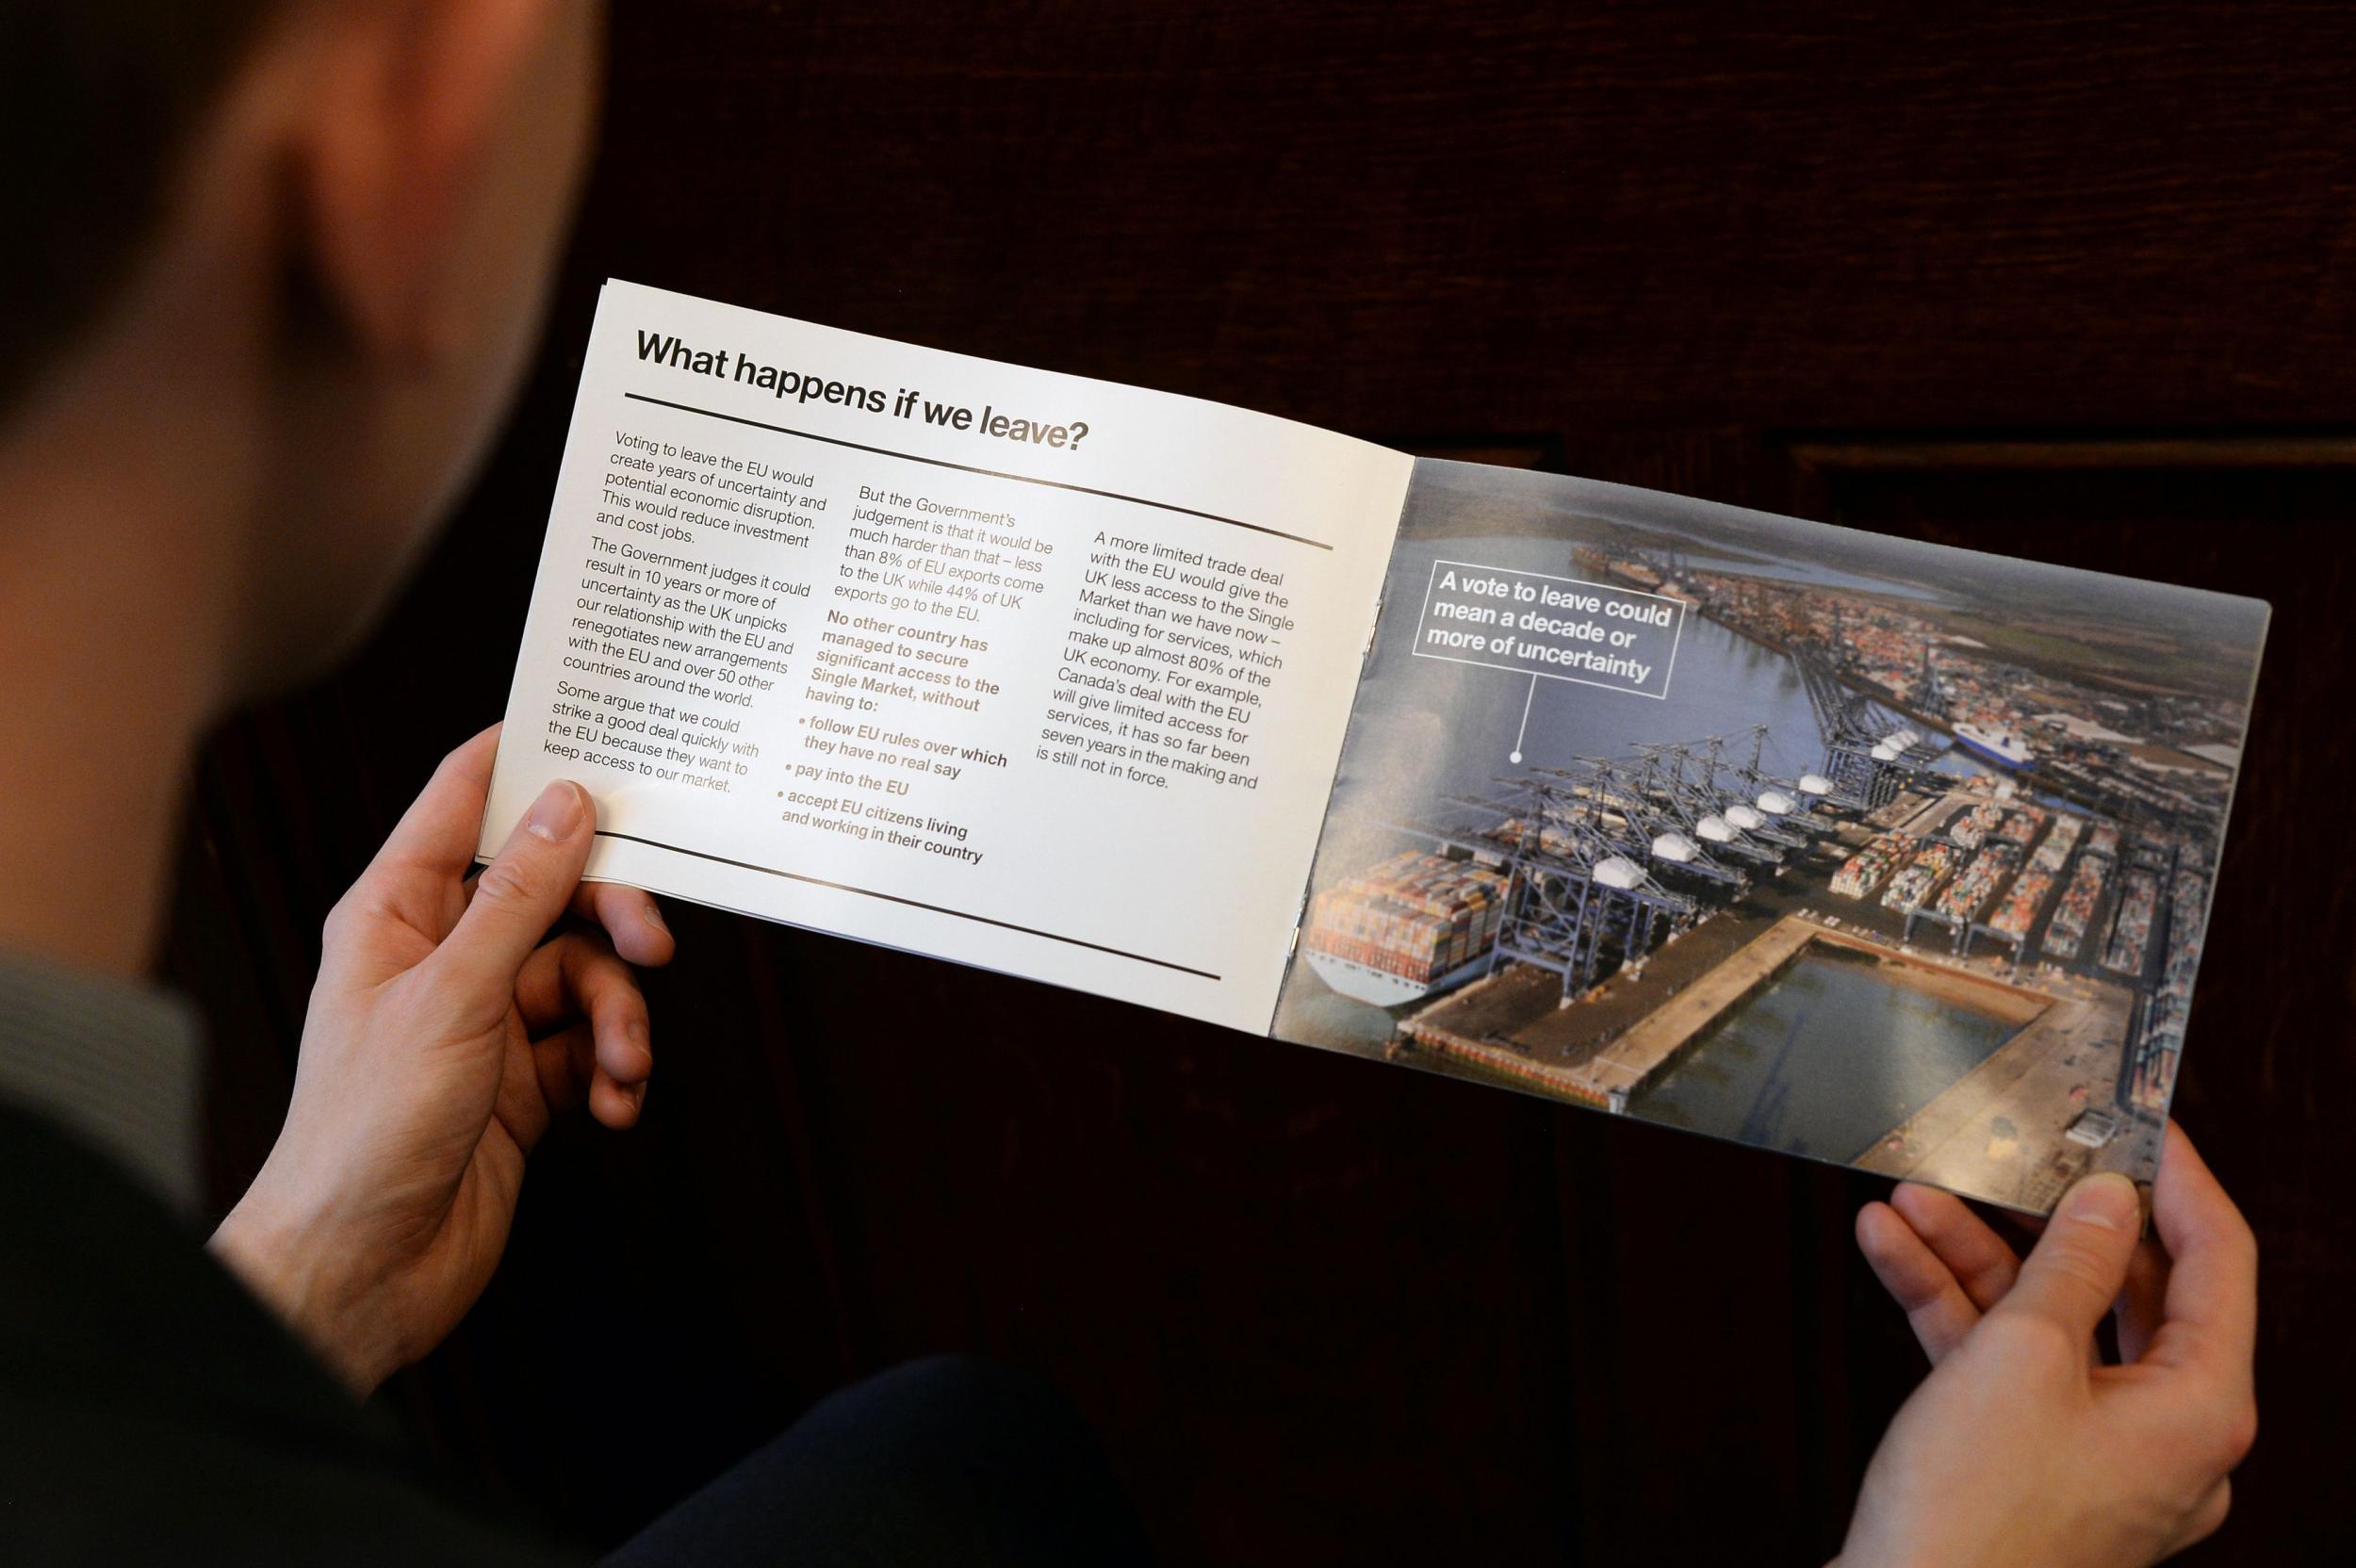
(2080, 1263)
(518, 897)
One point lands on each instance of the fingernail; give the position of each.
(2108, 1199)
(556, 814)
(654, 918)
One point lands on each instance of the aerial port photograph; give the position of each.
(1906, 869)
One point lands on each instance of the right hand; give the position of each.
(449, 1027)
(2023, 1447)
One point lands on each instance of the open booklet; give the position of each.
(1883, 853)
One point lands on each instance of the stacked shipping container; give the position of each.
(2068, 927)
(2131, 929)
(1975, 824)
(1923, 874)
(1418, 916)
(1967, 893)
(2021, 905)
(1863, 871)
(2055, 851)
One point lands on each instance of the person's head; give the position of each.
(271, 274)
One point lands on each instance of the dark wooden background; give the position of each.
(2074, 282)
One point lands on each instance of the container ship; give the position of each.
(1990, 744)
(1414, 925)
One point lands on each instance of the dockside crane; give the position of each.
(1576, 892)
(1790, 803)
(1665, 839)
(1735, 802)
(1664, 778)
(1870, 754)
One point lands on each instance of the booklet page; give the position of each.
(1020, 669)
(1884, 853)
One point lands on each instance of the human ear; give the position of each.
(399, 124)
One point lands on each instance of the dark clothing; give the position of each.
(151, 1411)
(947, 1460)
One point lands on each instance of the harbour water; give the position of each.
(1810, 573)
(1824, 1060)
(1427, 727)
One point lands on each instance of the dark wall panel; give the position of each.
(1325, 1311)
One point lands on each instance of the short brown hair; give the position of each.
(97, 98)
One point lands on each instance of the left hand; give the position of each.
(2024, 1445)
(448, 1026)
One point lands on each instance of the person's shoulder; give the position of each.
(151, 1411)
(106, 1288)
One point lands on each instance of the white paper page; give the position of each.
(817, 654)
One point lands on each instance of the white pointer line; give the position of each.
(1525, 729)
